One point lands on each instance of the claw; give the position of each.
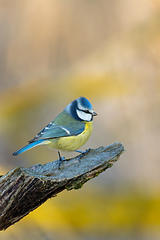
(87, 150)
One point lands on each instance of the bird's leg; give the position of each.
(61, 159)
(79, 151)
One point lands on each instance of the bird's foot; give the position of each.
(82, 153)
(61, 159)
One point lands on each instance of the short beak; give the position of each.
(94, 114)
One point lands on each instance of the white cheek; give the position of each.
(84, 116)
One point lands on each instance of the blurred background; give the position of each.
(52, 52)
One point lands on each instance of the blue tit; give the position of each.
(68, 131)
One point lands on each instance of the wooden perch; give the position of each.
(24, 189)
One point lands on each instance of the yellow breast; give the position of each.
(73, 142)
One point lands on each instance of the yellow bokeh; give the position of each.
(52, 52)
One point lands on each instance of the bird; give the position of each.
(68, 131)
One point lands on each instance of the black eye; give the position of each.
(86, 111)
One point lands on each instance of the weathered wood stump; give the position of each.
(24, 189)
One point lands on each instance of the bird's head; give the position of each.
(81, 110)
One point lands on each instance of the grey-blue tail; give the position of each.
(27, 147)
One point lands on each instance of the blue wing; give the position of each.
(53, 130)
